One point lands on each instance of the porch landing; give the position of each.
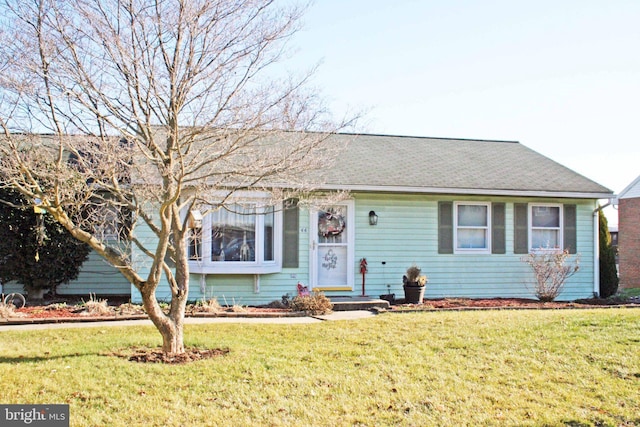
(342, 303)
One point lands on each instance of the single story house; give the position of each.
(629, 236)
(465, 211)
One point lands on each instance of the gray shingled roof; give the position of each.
(439, 165)
(404, 164)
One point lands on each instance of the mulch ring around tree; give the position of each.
(155, 355)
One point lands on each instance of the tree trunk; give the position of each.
(36, 289)
(173, 338)
(171, 326)
(35, 293)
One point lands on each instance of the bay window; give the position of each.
(233, 234)
(239, 238)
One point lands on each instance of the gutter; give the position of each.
(596, 244)
(467, 191)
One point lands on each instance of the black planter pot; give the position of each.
(413, 294)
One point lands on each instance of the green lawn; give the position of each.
(569, 367)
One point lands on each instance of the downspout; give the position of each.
(596, 247)
(596, 253)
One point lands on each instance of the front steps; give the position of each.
(342, 303)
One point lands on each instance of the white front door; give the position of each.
(332, 239)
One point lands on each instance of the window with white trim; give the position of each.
(240, 238)
(472, 227)
(545, 227)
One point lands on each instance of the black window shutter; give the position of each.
(445, 227)
(290, 227)
(498, 245)
(570, 232)
(520, 228)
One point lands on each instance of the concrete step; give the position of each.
(341, 303)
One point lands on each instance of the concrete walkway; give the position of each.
(335, 316)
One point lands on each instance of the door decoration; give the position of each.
(330, 260)
(330, 224)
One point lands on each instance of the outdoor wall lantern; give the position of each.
(373, 218)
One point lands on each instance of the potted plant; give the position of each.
(414, 285)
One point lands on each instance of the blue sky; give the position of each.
(561, 77)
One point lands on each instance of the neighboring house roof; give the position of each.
(459, 166)
(632, 190)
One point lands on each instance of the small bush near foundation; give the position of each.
(550, 271)
(6, 310)
(237, 308)
(208, 306)
(316, 303)
(130, 309)
(96, 306)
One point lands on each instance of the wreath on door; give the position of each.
(330, 224)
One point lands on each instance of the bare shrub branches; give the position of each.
(551, 269)
(314, 304)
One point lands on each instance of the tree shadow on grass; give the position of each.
(623, 422)
(133, 354)
(44, 357)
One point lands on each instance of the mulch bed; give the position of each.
(52, 312)
(506, 303)
(54, 308)
(40, 312)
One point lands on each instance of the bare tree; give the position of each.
(152, 109)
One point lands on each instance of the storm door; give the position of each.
(332, 235)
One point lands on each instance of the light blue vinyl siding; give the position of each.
(97, 276)
(407, 233)
(11, 287)
(142, 263)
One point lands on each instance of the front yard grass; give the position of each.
(566, 367)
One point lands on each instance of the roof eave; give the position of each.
(623, 193)
(470, 191)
